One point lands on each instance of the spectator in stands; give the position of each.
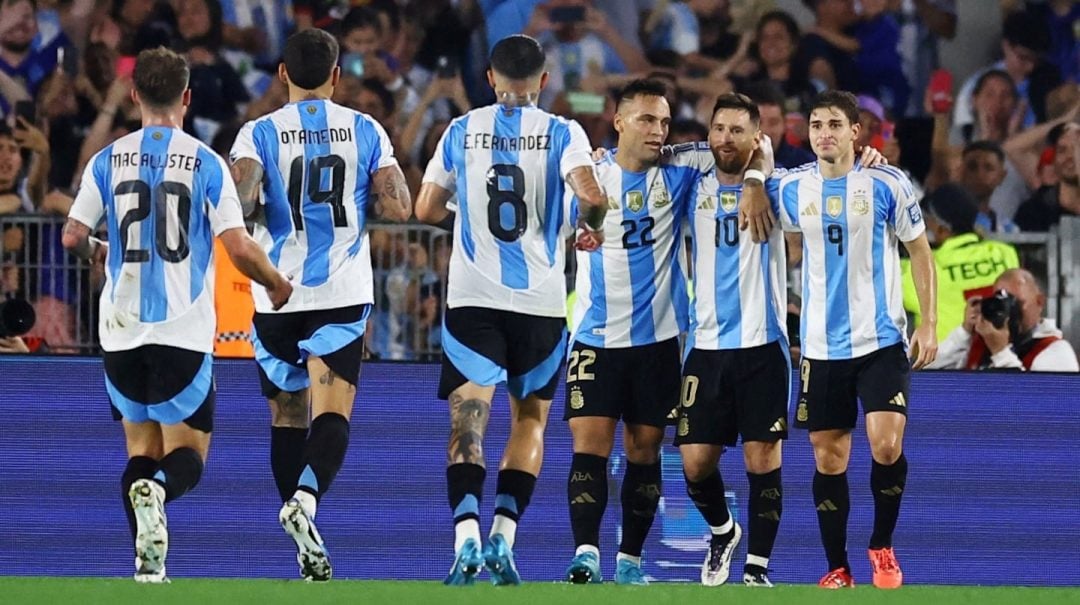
(217, 91)
(998, 113)
(141, 24)
(1024, 41)
(258, 27)
(770, 106)
(922, 24)
(1045, 209)
(964, 261)
(828, 65)
(1033, 343)
(1061, 17)
(686, 131)
(777, 39)
(982, 174)
(18, 59)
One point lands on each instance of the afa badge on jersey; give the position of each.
(860, 205)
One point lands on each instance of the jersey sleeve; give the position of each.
(788, 202)
(440, 169)
(223, 209)
(244, 145)
(89, 204)
(576, 150)
(907, 220)
(382, 150)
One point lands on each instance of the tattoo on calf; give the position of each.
(468, 419)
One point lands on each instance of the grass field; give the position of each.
(91, 591)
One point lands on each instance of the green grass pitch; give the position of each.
(183, 591)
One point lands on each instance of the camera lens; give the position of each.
(16, 317)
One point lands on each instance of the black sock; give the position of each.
(640, 496)
(832, 502)
(708, 496)
(324, 453)
(587, 492)
(138, 467)
(888, 483)
(179, 471)
(287, 457)
(766, 506)
(513, 491)
(465, 485)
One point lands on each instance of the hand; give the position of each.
(13, 344)
(200, 55)
(374, 67)
(599, 154)
(100, 253)
(30, 137)
(280, 292)
(756, 213)
(996, 339)
(589, 240)
(539, 22)
(595, 21)
(119, 92)
(1016, 120)
(972, 313)
(870, 157)
(923, 346)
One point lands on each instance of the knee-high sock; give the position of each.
(587, 493)
(640, 496)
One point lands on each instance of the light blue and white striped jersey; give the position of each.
(507, 166)
(632, 290)
(318, 160)
(740, 287)
(164, 196)
(852, 302)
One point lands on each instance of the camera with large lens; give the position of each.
(16, 317)
(1002, 309)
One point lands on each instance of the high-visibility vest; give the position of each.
(234, 307)
(964, 263)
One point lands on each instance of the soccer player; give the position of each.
(306, 172)
(505, 319)
(624, 352)
(854, 338)
(164, 197)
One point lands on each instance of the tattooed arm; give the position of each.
(393, 202)
(78, 241)
(248, 174)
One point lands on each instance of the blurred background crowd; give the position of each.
(976, 100)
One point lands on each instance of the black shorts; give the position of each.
(488, 346)
(828, 389)
(283, 342)
(735, 392)
(638, 384)
(156, 383)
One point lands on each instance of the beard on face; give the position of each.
(733, 163)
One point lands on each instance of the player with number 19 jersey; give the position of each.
(318, 159)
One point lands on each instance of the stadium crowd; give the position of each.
(993, 151)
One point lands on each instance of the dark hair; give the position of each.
(161, 77)
(214, 36)
(990, 75)
(33, 3)
(840, 99)
(6, 131)
(734, 100)
(380, 90)
(688, 127)
(783, 18)
(310, 57)
(360, 17)
(1026, 29)
(764, 93)
(518, 57)
(392, 11)
(665, 58)
(641, 87)
(955, 206)
(988, 146)
(1056, 133)
(811, 5)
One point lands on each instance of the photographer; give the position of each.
(1007, 331)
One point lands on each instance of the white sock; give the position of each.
(307, 503)
(505, 526)
(723, 529)
(584, 548)
(625, 557)
(762, 562)
(465, 529)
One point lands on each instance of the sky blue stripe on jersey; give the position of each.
(334, 337)
(318, 218)
(368, 154)
(553, 187)
(454, 159)
(287, 376)
(596, 316)
(207, 182)
(887, 333)
(154, 300)
(275, 197)
(514, 271)
(170, 411)
(640, 259)
(728, 300)
(838, 312)
(472, 365)
(536, 378)
(103, 179)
